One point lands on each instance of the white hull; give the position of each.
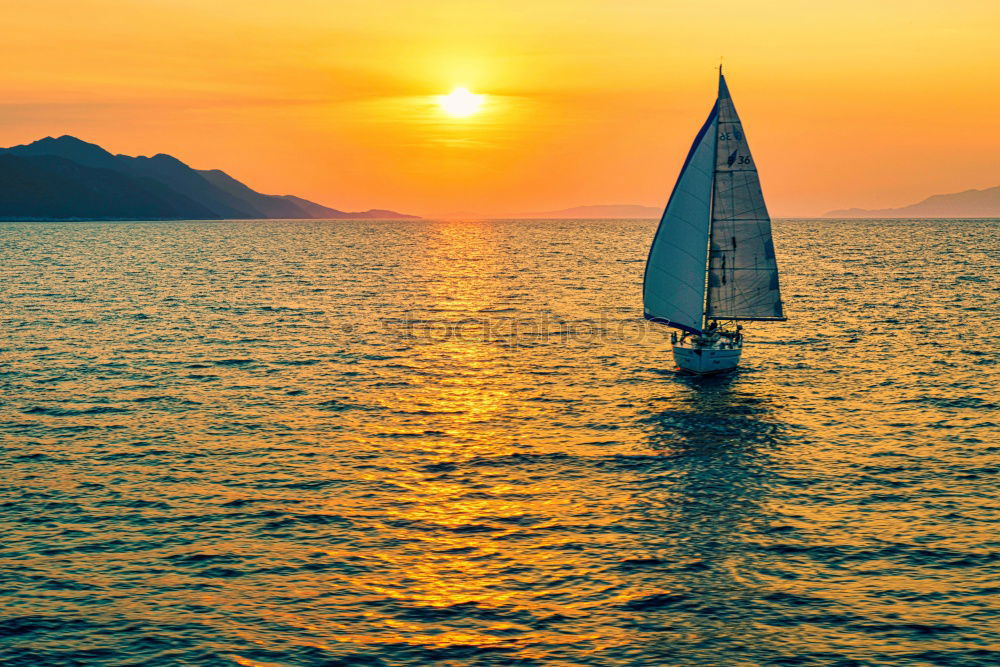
(706, 359)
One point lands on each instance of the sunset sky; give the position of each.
(854, 103)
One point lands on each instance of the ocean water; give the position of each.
(457, 443)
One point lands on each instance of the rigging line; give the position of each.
(711, 224)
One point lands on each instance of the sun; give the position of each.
(460, 103)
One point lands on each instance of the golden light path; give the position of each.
(461, 102)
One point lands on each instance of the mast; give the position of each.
(711, 213)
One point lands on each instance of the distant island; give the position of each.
(597, 212)
(967, 204)
(66, 178)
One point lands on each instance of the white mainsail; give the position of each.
(674, 284)
(742, 272)
(712, 256)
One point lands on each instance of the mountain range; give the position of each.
(966, 204)
(600, 211)
(67, 178)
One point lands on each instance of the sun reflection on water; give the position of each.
(356, 441)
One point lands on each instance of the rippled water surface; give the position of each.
(416, 443)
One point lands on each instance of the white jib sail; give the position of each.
(743, 272)
(674, 284)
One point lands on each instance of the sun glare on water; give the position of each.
(460, 103)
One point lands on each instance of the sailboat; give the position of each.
(712, 263)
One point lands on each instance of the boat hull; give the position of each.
(706, 360)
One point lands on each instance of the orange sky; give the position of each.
(856, 103)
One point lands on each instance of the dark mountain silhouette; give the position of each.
(316, 210)
(272, 206)
(70, 148)
(51, 187)
(66, 178)
(967, 204)
(183, 179)
(287, 206)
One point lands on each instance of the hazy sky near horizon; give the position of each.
(854, 103)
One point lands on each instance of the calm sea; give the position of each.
(430, 443)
